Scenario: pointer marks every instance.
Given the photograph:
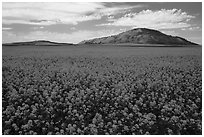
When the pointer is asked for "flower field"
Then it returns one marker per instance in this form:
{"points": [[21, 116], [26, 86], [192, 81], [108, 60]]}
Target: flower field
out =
{"points": [[101, 95]]}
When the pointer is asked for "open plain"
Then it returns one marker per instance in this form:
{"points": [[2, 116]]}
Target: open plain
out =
{"points": [[101, 90]]}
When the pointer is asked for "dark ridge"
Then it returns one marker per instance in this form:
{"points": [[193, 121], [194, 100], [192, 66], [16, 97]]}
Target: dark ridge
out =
{"points": [[37, 43]]}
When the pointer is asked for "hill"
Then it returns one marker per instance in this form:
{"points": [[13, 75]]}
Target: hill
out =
{"points": [[140, 36], [37, 43]]}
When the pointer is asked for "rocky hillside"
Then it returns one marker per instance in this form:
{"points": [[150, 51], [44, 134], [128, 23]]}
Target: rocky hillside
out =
{"points": [[140, 36]]}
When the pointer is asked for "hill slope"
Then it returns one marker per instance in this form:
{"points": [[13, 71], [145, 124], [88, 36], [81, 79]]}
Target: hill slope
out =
{"points": [[140, 36], [37, 43]]}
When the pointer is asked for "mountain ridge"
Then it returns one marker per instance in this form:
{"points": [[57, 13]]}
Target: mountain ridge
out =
{"points": [[136, 37], [37, 43], [140, 36]]}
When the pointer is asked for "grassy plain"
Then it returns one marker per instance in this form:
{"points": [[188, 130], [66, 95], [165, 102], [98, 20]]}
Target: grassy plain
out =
{"points": [[97, 51]]}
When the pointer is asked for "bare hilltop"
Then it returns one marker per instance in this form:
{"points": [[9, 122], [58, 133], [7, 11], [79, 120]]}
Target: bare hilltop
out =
{"points": [[140, 36]]}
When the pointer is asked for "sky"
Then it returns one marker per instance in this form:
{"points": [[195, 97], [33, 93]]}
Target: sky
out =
{"points": [[74, 22]]}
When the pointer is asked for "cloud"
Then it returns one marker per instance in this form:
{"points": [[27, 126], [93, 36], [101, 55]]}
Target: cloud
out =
{"points": [[73, 28], [110, 17], [68, 7], [74, 37], [5, 29], [191, 28], [38, 27], [159, 19], [48, 13], [57, 13], [116, 10]]}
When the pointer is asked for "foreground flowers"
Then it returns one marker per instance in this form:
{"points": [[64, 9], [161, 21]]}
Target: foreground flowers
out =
{"points": [[87, 95]]}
